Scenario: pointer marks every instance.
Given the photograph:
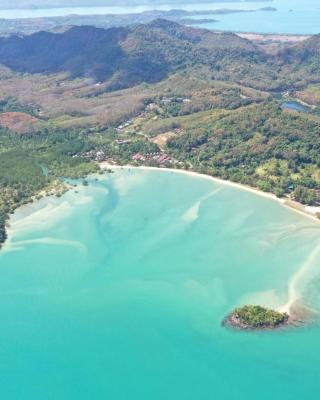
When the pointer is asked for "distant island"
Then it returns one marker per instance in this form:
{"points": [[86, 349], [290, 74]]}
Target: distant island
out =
{"points": [[256, 317], [268, 9], [191, 21], [27, 26]]}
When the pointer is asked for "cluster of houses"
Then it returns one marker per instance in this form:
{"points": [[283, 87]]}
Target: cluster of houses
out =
{"points": [[160, 158], [166, 100], [99, 155], [122, 127], [123, 141], [179, 131]]}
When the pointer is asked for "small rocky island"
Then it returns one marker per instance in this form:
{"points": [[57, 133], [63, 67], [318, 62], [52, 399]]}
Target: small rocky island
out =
{"points": [[256, 317]]}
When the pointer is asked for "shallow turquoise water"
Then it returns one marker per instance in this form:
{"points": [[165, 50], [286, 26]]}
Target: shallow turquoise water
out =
{"points": [[291, 17], [118, 292]]}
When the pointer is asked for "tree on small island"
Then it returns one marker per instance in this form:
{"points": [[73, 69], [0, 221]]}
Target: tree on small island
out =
{"points": [[257, 317]]}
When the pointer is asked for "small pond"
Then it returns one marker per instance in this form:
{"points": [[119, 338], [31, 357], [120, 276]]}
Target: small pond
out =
{"points": [[294, 106]]}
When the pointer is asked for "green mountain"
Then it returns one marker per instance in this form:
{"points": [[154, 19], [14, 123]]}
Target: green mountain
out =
{"points": [[149, 53], [125, 56]]}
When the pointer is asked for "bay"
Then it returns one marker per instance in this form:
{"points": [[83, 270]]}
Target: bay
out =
{"points": [[118, 292]]}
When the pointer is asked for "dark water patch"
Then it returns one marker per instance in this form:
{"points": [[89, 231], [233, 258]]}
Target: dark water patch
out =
{"points": [[294, 106]]}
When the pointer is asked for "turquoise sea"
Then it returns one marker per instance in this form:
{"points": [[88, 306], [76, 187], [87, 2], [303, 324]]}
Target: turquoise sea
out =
{"points": [[118, 292], [291, 17]]}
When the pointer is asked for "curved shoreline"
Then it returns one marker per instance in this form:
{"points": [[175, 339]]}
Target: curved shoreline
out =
{"points": [[287, 203], [292, 290]]}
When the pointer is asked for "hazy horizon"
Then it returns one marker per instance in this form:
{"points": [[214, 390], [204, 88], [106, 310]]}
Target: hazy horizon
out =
{"points": [[27, 4]]}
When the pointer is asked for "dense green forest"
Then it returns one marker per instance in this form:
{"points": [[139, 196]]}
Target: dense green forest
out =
{"points": [[259, 145], [193, 99]]}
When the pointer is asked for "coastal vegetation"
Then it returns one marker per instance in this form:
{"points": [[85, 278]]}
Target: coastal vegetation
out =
{"points": [[257, 317], [258, 145], [22, 159], [173, 96]]}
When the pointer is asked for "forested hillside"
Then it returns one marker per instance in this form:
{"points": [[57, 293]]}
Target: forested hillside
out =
{"points": [[159, 94], [305, 54], [258, 145], [149, 53]]}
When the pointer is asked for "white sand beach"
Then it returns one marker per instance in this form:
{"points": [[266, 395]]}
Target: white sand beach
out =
{"points": [[307, 211]]}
